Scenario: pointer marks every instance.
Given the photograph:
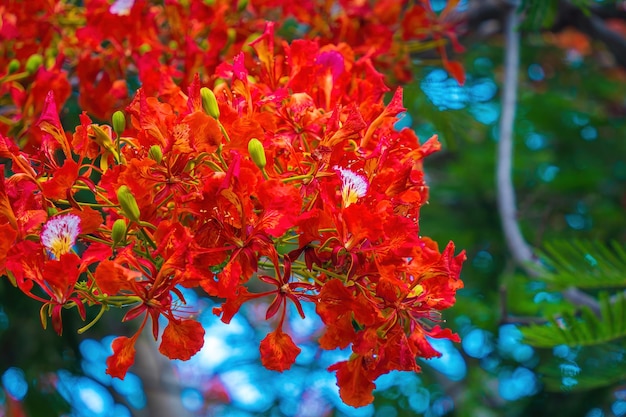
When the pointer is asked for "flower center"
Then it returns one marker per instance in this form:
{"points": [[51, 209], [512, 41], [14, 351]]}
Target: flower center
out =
{"points": [[354, 186], [59, 234]]}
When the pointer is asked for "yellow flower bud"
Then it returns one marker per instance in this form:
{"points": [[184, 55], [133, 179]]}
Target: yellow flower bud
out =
{"points": [[119, 122], [33, 63], [155, 153], [209, 102], [128, 203], [118, 232], [103, 139], [257, 153]]}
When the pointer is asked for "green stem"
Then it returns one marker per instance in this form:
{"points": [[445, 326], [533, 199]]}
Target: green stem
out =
{"points": [[219, 155], [147, 237], [322, 270], [297, 178], [223, 131], [96, 239], [80, 203], [83, 329]]}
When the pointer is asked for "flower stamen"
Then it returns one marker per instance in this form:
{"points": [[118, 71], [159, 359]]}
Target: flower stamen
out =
{"points": [[59, 234], [354, 186]]}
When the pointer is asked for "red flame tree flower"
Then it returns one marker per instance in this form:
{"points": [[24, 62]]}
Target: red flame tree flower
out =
{"points": [[288, 171]]}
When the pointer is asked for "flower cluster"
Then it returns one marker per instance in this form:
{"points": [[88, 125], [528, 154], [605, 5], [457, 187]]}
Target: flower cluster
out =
{"points": [[106, 50], [285, 181]]}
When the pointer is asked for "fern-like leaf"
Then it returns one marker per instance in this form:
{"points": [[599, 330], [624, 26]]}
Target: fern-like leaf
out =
{"points": [[588, 368], [584, 264], [584, 330]]}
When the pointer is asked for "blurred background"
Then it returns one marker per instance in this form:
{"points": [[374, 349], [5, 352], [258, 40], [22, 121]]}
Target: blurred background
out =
{"points": [[569, 177]]}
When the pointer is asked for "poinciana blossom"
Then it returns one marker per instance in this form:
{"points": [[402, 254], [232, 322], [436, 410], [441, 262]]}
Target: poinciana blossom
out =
{"points": [[107, 49], [289, 175]]}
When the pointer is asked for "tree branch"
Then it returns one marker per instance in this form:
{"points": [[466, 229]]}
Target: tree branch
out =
{"points": [[519, 248], [161, 386]]}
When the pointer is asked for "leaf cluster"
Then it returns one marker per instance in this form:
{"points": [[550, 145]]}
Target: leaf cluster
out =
{"points": [[598, 329]]}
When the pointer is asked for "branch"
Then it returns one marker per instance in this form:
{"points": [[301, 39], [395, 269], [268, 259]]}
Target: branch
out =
{"points": [[161, 386], [519, 248]]}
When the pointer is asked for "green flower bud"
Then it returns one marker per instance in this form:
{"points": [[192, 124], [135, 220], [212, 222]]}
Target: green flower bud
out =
{"points": [[13, 66], [257, 153], [128, 203], [119, 122], [241, 5], [231, 35], [118, 232], [155, 153], [33, 63], [144, 48], [209, 103]]}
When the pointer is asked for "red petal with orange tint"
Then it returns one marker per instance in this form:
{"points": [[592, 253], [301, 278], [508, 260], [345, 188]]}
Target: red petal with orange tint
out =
{"points": [[123, 356], [278, 352], [112, 277], [182, 339], [62, 180], [355, 386], [90, 219], [456, 70], [7, 240]]}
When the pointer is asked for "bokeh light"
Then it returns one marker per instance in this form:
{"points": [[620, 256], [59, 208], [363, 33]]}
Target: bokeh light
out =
{"points": [[536, 72], [451, 363], [478, 343], [14, 382], [87, 397], [516, 384]]}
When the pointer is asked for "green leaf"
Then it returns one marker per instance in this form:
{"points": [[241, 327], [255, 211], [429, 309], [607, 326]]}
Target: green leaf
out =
{"points": [[589, 368], [584, 330], [584, 264]]}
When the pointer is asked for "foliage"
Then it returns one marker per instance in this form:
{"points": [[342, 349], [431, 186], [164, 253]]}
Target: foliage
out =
{"points": [[584, 264], [587, 329]]}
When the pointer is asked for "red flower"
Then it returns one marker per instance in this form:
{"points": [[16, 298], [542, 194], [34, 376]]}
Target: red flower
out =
{"points": [[278, 352], [123, 356], [182, 339]]}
